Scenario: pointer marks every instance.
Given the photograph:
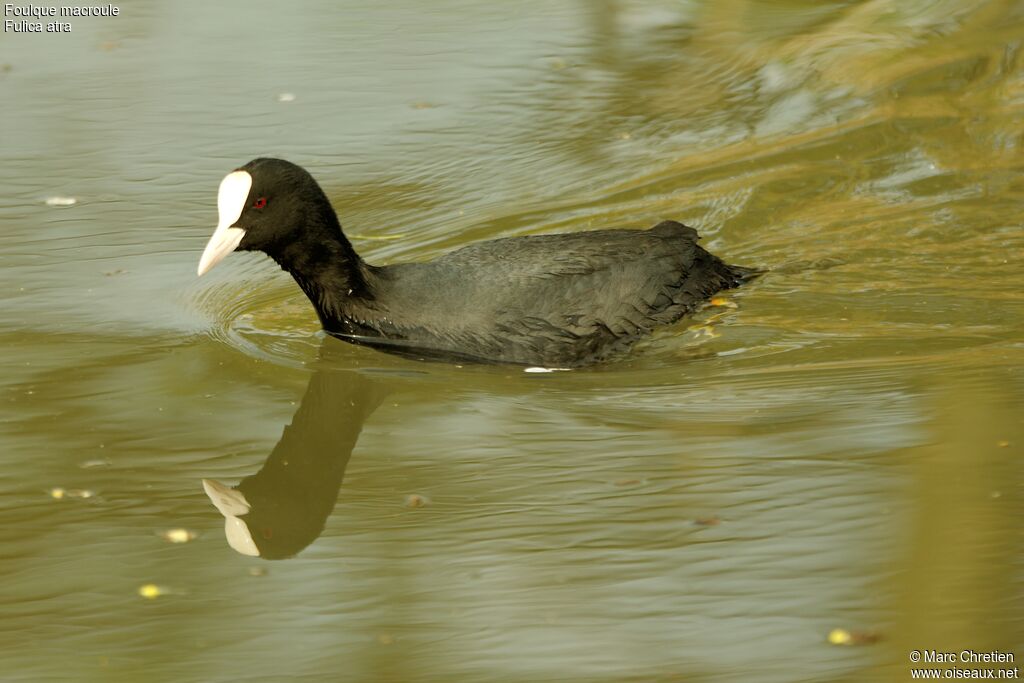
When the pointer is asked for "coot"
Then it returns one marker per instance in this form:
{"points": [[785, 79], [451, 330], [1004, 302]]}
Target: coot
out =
{"points": [[562, 301]]}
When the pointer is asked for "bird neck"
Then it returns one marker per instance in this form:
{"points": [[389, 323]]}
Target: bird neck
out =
{"points": [[328, 269]]}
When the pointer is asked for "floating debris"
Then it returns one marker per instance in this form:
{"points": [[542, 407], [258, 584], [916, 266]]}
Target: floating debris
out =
{"points": [[61, 201], [179, 535], [97, 462], [59, 493], [286, 97], [1003, 444], [840, 636], [257, 571], [423, 105], [538, 369], [415, 500], [713, 520], [722, 301], [151, 591], [112, 273]]}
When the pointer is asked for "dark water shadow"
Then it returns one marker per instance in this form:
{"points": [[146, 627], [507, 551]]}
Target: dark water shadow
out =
{"points": [[277, 512]]}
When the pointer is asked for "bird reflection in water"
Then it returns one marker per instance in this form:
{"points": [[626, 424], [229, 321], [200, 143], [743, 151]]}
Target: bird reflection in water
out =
{"points": [[281, 509]]}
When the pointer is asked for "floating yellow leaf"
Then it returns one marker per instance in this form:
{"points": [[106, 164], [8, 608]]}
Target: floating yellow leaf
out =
{"points": [[151, 591], [178, 535], [840, 636]]}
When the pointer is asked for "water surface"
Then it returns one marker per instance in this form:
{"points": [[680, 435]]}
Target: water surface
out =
{"points": [[837, 445]]}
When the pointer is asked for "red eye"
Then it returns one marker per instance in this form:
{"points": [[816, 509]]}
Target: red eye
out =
{"points": [[259, 203]]}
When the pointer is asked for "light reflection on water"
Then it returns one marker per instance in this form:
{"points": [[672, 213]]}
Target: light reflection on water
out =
{"points": [[837, 446]]}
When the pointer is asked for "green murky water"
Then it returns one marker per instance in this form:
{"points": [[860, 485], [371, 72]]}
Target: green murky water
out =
{"points": [[839, 445]]}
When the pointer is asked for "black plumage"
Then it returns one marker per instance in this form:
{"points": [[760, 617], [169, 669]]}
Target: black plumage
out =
{"points": [[561, 300]]}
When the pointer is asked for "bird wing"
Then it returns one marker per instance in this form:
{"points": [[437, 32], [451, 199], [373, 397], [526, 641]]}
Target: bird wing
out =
{"points": [[532, 296]]}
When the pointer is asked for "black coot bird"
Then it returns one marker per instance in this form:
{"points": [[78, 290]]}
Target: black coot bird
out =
{"points": [[557, 301]]}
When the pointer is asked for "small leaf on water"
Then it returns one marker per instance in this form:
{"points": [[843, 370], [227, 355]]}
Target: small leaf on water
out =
{"points": [[839, 636], [415, 500], [151, 591], [178, 535]]}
